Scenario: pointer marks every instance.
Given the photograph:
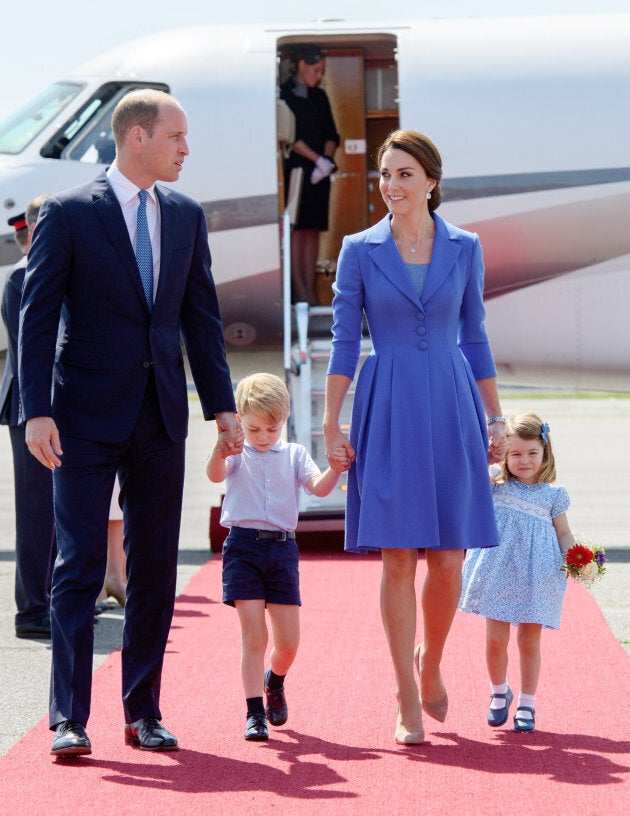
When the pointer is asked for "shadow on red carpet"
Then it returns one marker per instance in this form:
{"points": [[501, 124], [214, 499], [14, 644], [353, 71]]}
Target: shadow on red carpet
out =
{"points": [[336, 755]]}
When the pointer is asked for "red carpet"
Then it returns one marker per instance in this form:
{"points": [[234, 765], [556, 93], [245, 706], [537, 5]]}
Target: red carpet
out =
{"points": [[336, 755]]}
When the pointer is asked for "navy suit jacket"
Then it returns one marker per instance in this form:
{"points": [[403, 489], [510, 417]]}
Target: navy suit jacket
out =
{"points": [[82, 260], [9, 391]]}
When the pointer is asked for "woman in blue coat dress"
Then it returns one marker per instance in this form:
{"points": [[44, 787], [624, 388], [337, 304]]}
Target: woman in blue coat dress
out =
{"points": [[424, 401]]}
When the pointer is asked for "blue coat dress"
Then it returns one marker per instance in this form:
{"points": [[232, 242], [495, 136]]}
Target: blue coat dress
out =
{"points": [[420, 478]]}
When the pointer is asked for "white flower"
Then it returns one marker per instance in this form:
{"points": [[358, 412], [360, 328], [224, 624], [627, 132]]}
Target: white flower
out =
{"points": [[589, 571]]}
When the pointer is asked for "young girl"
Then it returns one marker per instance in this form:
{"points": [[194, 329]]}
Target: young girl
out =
{"points": [[520, 581]]}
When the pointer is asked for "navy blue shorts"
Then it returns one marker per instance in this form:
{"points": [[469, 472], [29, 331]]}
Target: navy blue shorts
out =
{"points": [[260, 569]]}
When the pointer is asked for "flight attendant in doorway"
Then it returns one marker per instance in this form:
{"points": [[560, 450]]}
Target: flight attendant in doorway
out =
{"points": [[316, 140]]}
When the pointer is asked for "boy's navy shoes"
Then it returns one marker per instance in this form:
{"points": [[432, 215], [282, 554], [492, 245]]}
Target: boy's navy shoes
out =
{"points": [[276, 709], [256, 728]]}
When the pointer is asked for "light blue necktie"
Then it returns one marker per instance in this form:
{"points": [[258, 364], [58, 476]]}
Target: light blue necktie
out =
{"points": [[144, 252]]}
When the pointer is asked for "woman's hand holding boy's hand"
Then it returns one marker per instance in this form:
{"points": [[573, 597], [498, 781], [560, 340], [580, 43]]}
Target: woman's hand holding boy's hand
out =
{"points": [[339, 460], [339, 451]]}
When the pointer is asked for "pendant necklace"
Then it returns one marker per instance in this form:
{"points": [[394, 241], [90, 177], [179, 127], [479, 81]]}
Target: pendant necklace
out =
{"points": [[413, 249]]}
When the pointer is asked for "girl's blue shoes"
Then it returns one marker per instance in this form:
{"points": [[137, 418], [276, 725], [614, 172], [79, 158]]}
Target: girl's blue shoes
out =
{"points": [[498, 716], [524, 723]]}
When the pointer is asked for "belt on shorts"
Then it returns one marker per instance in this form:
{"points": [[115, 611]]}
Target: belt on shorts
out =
{"points": [[268, 535]]}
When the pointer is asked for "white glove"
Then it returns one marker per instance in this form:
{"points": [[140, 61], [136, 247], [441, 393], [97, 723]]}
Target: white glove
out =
{"points": [[323, 167]]}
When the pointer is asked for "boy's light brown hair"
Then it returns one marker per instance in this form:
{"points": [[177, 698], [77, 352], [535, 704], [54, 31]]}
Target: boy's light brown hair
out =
{"points": [[265, 394], [530, 426]]}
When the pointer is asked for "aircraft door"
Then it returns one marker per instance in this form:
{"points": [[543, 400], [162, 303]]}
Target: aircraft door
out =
{"points": [[344, 84]]}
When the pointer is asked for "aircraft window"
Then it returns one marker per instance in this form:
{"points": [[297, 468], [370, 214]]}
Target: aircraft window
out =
{"points": [[87, 137], [22, 127], [381, 88]]}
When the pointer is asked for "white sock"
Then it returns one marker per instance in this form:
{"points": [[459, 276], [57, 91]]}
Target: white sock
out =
{"points": [[525, 700], [501, 688]]}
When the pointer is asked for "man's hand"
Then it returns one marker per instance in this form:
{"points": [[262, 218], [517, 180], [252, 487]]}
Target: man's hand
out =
{"points": [[230, 424], [42, 439]]}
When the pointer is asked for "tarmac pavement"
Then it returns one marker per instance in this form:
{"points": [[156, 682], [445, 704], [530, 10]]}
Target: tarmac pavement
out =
{"points": [[591, 435]]}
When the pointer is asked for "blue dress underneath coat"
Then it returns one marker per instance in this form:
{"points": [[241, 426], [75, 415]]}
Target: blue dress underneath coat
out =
{"points": [[418, 428]]}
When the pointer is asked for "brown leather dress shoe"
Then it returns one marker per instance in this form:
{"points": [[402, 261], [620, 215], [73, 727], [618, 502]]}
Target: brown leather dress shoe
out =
{"points": [[149, 734], [70, 740]]}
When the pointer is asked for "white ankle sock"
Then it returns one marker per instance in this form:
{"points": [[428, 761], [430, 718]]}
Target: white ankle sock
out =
{"points": [[501, 688], [525, 700]]}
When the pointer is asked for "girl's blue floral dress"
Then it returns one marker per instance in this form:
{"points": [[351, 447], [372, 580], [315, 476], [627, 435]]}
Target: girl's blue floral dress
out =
{"points": [[520, 581]]}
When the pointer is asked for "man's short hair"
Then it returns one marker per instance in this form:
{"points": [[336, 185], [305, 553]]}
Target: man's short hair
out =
{"points": [[138, 107]]}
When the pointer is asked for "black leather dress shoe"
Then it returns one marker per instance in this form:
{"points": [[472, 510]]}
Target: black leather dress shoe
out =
{"points": [[276, 709], [70, 740], [39, 628], [149, 734], [256, 728]]}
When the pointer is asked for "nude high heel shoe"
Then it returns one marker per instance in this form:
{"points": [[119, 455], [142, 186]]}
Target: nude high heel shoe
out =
{"points": [[405, 737], [436, 709]]}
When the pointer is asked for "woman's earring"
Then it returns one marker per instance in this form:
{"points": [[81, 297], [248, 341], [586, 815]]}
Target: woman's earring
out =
{"points": [[429, 194]]}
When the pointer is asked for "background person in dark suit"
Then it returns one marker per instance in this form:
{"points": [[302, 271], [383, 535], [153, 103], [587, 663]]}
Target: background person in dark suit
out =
{"points": [[34, 518], [119, 400]]}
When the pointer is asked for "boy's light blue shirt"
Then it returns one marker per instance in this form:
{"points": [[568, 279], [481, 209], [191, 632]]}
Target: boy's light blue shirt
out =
{"points": [[263, 487]]}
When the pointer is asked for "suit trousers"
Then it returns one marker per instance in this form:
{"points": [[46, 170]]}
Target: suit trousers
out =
{"points": [[150, 467], [34, 530]]}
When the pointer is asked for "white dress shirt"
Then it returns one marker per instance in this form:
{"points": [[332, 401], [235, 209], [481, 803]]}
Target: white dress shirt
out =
{"points": [[263, 487]]}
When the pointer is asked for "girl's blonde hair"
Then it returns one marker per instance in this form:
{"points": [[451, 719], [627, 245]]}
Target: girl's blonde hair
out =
{"points": [[265, 394], [530, 426]]}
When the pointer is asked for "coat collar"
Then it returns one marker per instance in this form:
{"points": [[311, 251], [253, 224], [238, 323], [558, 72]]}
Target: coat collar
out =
{"points": [[446, 249]]}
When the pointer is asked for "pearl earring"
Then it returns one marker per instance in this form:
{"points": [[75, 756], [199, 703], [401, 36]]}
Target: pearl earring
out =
{"points": [[429, 194]]}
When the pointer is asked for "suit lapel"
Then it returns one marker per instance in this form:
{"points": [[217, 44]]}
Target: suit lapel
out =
{"points": [[168, 213], [110, 213]]}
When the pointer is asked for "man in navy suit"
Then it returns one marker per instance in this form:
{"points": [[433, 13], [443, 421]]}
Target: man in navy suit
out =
{"points": [[34, 519], [119, 400]]}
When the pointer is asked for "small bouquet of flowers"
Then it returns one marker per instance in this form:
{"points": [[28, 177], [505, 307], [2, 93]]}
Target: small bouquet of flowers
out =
{"points": [[584, 562]]}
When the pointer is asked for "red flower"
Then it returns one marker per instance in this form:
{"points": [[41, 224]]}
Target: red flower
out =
{"points": [[579, 555]]}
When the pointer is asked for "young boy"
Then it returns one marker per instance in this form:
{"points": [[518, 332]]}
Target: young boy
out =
{"points": [[260, 555]]}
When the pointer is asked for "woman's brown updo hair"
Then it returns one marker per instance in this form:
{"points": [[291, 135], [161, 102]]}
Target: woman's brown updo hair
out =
{"points": [[424, 152]]}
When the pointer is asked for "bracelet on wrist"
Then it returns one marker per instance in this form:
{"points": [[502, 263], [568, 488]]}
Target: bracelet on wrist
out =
{"points": [[492, 420]]}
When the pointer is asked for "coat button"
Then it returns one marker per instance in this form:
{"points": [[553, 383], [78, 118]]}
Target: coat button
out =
{"points": [[421, 330], [421, 316], [423, 346], [146, 364]]}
